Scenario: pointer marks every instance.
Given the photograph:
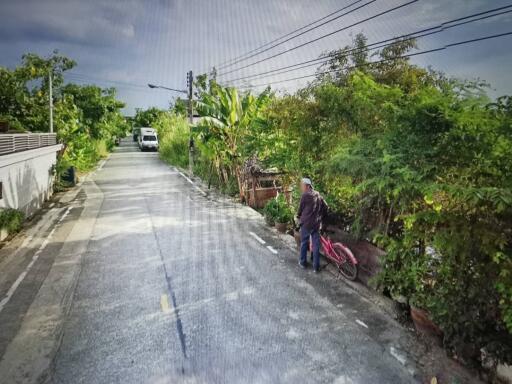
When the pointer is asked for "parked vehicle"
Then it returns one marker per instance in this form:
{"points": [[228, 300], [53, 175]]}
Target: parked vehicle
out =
{"points": [[148, 139]]}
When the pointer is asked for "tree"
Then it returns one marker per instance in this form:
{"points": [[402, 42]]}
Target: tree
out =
{"points": [[146, 118], [180, 107], [24, 93], [100, 110], [342, 61]]}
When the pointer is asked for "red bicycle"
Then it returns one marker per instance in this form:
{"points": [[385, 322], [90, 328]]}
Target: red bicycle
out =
{"points": [[340, 255]]}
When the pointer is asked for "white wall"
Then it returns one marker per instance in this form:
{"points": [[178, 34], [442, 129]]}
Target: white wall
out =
{"points": [[27, 179]]}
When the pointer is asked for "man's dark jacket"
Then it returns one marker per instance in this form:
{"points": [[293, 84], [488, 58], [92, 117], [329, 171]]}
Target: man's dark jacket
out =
{"points": [[312, 210]]}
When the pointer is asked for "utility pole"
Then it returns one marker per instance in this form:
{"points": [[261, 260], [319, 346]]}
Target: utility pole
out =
{"points": [[190, 96], [51, 99], [190, 81]]}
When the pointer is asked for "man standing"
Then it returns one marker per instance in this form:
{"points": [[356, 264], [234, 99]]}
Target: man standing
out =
{"points": [[312, 208]]}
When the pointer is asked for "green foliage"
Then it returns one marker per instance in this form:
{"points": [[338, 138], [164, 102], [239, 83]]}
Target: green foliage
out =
{"points": [[180, 107], [173, 135], [277, 210], [147, 117], [87, 119], [226, 119], [270, 211], [427, 171], [99, 111], [24, 92], [61, 170], [11, 220]]}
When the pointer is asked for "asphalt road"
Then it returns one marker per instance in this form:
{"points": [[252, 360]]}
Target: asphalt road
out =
{"points": [[174, 288]]}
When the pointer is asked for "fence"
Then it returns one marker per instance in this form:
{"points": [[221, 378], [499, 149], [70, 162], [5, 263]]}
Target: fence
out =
{"points": [[17, 142]]}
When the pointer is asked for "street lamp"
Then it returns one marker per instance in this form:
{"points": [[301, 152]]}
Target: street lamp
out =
{"points": [[153, 86], [188, 92]]}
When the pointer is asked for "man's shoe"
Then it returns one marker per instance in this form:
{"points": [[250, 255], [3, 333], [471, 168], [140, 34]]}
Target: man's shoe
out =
{"points": [[303, 266], [316, 270]]}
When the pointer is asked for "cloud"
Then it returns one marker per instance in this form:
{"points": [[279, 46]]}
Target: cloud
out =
{"points": [[72, 21], [136, 42]]}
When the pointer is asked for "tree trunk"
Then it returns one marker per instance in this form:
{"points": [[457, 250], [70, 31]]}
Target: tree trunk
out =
{"points": [[210, 175], [238, 175], [390, 214]]}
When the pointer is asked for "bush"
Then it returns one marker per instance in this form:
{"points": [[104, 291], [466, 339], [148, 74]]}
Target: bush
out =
{"points": [[11, 220], [277, 210], [102, 148], [173, 135], [60, 171], [270, 211]]}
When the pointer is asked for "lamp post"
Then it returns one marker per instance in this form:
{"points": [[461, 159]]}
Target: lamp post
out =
{"points": [[188, 92]]}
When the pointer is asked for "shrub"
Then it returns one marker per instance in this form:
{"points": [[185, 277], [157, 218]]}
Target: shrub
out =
{"points": [[270, 211], [456, 272], [60, 171], [173, 135], [284, 215], [11, 220], [102, 148], [277, 210]]}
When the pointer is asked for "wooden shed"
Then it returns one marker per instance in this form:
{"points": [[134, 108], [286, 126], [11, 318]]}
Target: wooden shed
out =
{"points": [[259, 185]]}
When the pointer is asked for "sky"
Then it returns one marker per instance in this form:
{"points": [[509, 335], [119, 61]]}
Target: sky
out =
{"points": [[128, 44]]}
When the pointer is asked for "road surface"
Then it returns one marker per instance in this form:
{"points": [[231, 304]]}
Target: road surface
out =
{"points": [[178, 286]]}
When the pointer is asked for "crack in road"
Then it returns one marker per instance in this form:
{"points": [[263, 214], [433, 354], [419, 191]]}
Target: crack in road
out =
{"points": [[176, 312]]}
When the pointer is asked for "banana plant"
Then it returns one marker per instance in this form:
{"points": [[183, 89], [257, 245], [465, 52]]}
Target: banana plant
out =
{"points": [[226, 117]]}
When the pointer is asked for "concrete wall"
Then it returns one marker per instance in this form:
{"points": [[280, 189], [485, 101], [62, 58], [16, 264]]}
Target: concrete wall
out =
{"points": [[27, 179]]}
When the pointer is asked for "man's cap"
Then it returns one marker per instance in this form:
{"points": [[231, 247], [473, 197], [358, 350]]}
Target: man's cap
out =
{"points": [[307, 181]]}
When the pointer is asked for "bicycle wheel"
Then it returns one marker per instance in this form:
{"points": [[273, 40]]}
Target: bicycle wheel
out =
{"points": [[347, 268]]}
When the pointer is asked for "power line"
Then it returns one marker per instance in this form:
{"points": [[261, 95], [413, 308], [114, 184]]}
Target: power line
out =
{"points": [[379, 44], [385, 60], [102, 85], [91, 78], [322, 37], [300, 34], [291, 33], [87, 78], [384, 43]]}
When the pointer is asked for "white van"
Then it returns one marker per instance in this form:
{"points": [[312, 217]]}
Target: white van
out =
{"points": [[148, 139]]}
